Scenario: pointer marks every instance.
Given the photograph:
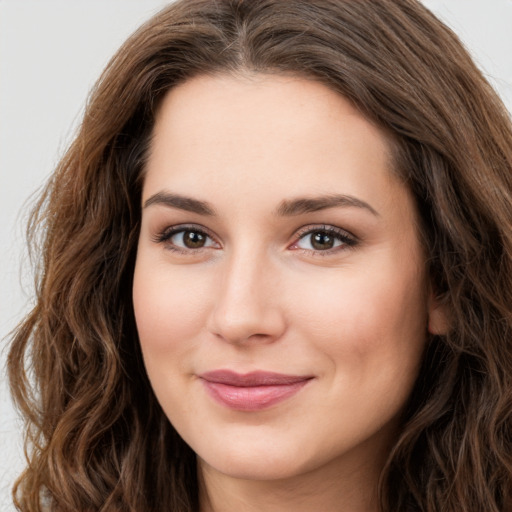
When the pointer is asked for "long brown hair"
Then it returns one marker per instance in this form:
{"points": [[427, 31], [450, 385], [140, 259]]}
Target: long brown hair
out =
{"points": [[97, 439]]}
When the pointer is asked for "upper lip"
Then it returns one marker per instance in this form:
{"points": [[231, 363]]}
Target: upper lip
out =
{"points": [[252, 379]]}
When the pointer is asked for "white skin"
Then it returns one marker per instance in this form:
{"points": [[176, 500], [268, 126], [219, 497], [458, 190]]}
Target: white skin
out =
{"points": [[352, 312]]}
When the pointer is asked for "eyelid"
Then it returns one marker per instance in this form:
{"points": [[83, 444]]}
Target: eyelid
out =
{"points": [[348, 239], [163, 236]]}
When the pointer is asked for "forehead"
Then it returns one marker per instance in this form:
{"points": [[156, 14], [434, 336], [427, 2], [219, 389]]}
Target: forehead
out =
{"points": [[266, 135], [247, 105]]}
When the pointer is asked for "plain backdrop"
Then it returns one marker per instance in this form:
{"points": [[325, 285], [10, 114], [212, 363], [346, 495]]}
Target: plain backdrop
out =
{"points": [[51, 52]]}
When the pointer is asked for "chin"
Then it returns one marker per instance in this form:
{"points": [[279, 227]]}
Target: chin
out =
{"points": [[255, 467], [258, 459]]}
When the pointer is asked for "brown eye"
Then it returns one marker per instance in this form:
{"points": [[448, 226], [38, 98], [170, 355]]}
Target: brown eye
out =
{"points": [[320, 240], [186, 239], [194, 239], [325, 239]]}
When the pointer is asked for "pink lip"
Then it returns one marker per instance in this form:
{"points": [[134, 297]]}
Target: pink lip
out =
{"points": [[251, 391]]}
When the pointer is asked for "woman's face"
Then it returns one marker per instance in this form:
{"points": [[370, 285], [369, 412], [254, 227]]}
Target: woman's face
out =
{"points": [[280, 290]]}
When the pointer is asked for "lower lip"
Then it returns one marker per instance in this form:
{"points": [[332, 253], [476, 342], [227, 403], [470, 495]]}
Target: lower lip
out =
{"points": [[252, 398]]}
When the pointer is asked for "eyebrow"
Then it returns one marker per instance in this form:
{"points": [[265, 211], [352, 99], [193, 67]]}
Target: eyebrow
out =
{"points": [[314, 204], [286, 208], [181, 202]]}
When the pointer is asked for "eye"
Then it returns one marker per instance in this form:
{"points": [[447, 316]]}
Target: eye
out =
{"points": [[326, 238], [182, 238], [191, 239]]}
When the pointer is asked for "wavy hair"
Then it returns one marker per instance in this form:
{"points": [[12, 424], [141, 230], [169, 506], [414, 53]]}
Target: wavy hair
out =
{"points": [[97, 440]]}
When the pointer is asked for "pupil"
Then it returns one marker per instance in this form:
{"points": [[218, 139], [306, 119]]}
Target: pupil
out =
{"points": [[322, 240], [193, 239]]}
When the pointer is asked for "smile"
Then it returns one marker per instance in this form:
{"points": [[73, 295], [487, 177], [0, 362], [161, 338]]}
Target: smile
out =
{"points": [[252, 391]]}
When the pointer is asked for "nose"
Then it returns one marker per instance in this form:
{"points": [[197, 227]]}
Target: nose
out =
{"points": [[247, 308]]}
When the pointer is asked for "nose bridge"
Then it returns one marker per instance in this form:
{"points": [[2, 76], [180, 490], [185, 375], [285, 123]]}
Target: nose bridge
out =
{"points": [[245, 306]]}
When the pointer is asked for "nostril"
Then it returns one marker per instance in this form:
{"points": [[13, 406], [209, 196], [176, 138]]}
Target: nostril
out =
{"points": [[247, 326]]}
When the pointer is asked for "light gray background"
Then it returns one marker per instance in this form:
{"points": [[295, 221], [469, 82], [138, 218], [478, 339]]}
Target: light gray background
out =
{"points": [[51, 52]]}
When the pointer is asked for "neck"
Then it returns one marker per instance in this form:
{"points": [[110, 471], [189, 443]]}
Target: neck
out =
{"points": [[327, 489]]}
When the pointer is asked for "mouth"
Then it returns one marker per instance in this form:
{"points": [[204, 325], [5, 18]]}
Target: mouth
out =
{"points": [[252, 391]]}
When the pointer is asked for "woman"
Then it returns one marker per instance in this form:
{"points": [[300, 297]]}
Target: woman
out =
{"points": [[276, 272]]}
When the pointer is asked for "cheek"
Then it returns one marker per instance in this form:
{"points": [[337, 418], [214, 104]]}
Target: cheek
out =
{"points": [[371, 329], [170, 307], [369, 320]]}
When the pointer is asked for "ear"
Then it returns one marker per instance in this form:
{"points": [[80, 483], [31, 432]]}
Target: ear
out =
{"points": [[438, 321]]}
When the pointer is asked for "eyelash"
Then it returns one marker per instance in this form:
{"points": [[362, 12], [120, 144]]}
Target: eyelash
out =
{"points": [[165, 236], [346, 239]]}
